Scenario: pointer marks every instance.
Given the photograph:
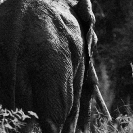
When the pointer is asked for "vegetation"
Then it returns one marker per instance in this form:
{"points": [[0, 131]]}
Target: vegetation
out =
{"points": [[114, 28], [15, 120], [120, 124]]}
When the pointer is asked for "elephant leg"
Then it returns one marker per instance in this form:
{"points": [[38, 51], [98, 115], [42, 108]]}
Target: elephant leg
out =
{"points": [[52, 90], [84, 114], [23, 90], [71, 121]]}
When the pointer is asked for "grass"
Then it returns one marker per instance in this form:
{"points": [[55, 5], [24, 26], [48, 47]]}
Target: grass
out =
{"points": [[121, 124], [14, 120]]}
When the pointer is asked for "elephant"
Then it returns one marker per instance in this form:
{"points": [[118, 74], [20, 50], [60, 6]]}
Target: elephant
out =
{"points": [[43, 59]]}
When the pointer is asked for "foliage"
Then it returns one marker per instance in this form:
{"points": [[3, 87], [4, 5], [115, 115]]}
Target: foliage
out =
{"points": [[115, 45], [13, 120], [115, 31], [122, 124]]}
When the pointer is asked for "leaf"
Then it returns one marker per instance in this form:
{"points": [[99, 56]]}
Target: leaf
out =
{"points": [[10, 113], [14, 112], [5, 113], [7, 125], [0, 106], [18, 115], [25, 117], [33, 114]]}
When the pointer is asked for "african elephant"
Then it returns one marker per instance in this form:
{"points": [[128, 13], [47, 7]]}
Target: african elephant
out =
{"points": [[42, 60]]}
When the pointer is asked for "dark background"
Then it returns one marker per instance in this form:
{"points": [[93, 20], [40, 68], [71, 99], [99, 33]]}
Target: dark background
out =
{"points": [[114, 28]]}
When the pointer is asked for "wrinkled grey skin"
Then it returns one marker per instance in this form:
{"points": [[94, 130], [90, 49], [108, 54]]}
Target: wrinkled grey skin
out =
{"points": [[42, 60]]}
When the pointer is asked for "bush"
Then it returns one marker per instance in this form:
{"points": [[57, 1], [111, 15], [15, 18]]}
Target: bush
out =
{"points": [[13, 120]]}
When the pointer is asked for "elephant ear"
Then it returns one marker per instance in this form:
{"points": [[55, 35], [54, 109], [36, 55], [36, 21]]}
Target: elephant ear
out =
{"points": [[84, 9]]}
